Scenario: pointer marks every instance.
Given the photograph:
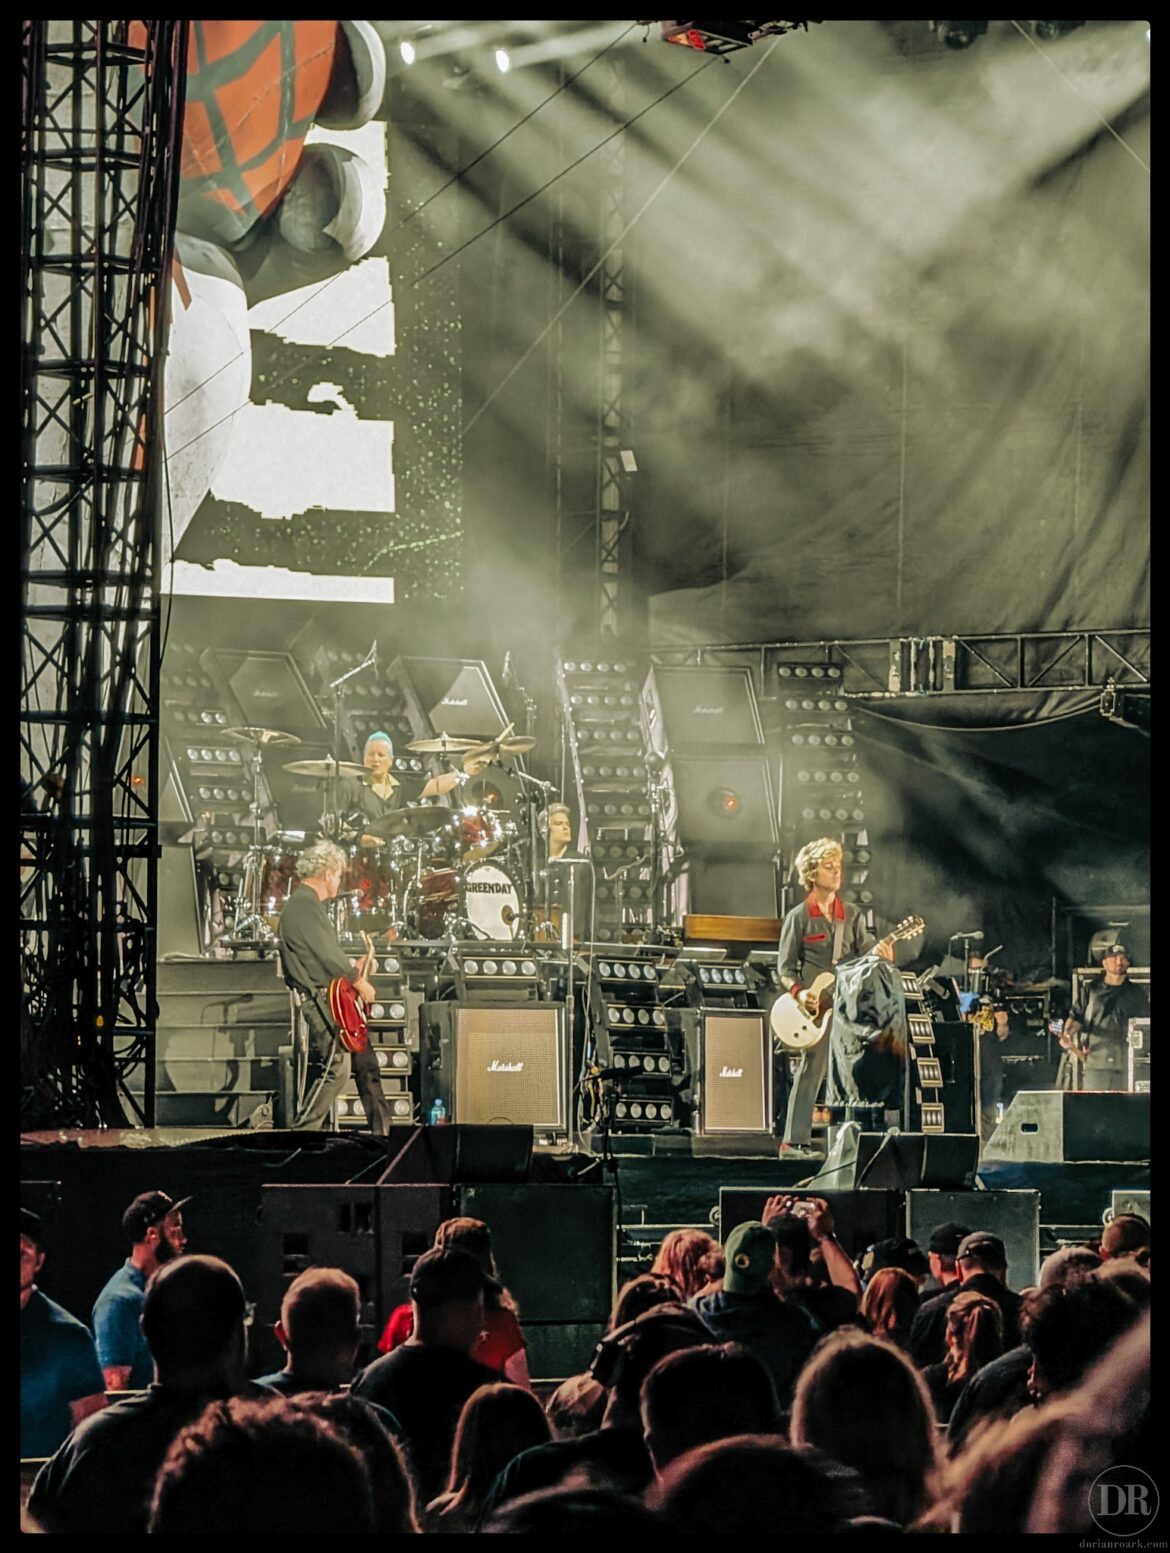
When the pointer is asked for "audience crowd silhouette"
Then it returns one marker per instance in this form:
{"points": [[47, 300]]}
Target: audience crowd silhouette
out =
{"points": [[766, 1384]]}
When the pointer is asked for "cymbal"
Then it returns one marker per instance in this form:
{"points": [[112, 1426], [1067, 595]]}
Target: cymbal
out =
{"points": [[413, 822], [506, 744], [445, 744], [325, 769], [260, 736]]}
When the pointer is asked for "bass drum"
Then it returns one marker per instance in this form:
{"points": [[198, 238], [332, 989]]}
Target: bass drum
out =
{"points": [[491, 903]]}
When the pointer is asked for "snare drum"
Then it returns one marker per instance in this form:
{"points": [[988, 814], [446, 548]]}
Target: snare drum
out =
{"points": [[491, 903]]}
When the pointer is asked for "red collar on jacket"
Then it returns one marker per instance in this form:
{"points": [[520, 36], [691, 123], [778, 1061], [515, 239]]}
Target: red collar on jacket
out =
{"points": [[814, 909]]}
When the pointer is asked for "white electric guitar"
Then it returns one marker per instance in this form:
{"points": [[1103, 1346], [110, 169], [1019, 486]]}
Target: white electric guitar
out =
{"points": [[794, 1026]]}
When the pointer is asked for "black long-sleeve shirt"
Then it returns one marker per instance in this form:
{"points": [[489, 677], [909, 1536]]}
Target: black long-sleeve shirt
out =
{"points": [[806, 940], [310, 951]]}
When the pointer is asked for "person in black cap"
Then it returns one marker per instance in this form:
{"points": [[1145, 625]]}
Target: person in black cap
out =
{"points": [[1097, 1028], [928, 1333], [427, 1379], [941, 1251], [900, 1252], [153, 1224], [60, 1378]]}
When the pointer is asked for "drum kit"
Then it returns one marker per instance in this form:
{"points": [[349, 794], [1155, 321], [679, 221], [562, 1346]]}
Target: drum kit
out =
{"points": [[431, 873]]}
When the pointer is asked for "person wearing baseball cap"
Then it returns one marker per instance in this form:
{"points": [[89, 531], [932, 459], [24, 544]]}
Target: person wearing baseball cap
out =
{"points": [[1096, 1031], [60, 1378], [153, 1226], [427, 1379], [982, 1264], [746, 1310], [928, 1331], [899, 1251]]}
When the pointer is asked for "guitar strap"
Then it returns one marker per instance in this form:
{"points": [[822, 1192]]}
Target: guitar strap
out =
{"points": [[838, 938]]}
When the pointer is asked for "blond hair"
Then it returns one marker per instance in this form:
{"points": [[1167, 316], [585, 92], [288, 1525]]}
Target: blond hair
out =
{"points": [[812, 855]]}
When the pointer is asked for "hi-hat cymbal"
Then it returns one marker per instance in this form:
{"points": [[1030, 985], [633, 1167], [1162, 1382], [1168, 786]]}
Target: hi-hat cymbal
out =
{"points": [[260, 736], [445, 744], [325, 770]]}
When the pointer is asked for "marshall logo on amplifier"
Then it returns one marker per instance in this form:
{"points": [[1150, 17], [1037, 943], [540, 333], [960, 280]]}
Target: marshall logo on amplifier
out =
{"points": [[496, 1066], [726, 1072], [687, 707]]}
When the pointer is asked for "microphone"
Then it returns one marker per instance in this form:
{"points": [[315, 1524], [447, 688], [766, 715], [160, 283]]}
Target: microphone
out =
{"points": [[977, 936]]}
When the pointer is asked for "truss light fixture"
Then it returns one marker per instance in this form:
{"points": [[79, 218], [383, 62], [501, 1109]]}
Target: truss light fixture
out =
{"points": [[721, 37], [503, 61], [958, 35], [1048, 31]]}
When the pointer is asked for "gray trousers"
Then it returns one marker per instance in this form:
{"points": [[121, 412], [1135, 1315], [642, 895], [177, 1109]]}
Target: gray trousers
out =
{"points": [[810, 1075], [329, 1068]]}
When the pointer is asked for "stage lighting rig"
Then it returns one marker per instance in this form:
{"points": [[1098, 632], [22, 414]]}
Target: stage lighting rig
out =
{"points": [[722, 37]]}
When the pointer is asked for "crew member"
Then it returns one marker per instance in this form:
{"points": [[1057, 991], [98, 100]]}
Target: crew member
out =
{"points": [[312, 957], [555, 824], [815, 936], [1097, 1028]]}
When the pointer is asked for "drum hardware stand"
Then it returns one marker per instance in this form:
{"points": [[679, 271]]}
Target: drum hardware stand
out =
{"points": [[252, 928], [335, 686], [533, 799], [619, 874]]}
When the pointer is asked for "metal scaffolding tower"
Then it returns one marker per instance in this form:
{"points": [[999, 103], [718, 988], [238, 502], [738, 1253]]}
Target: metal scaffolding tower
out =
{"points": [[101, 120]]}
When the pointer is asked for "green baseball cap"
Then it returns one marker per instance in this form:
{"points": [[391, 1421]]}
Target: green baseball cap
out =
{"points": [[750, 1252]]}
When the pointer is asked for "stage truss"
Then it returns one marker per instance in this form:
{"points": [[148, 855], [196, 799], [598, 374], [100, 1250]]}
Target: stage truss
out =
{"points": [[101, 118]]}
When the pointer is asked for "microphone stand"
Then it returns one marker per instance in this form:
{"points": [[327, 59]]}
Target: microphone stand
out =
{"points": [[533, 800]]}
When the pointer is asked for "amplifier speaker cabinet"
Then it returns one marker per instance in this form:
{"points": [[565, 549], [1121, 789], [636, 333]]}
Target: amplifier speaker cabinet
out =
{"points": [[688, 707], [1012, 1215], [731, 1055], [861, 1218], [724, 801], [498, 1064], [457, 695], [1060, 1126], [555, 1246]]}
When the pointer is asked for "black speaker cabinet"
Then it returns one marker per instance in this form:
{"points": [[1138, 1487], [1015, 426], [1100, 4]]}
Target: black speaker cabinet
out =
{"points": [[954, 1049], [555, 1246], [1057, 1125], [320, 1226], [700, 706], [1013, 1216], [861, 1218], [457, 694], [730, 887], [724, 801], [498, 1065], [901, 1160], [731, 1057]]}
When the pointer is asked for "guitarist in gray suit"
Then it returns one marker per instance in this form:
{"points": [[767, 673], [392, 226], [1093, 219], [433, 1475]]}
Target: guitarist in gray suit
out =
{"points": [[815, 936], [311, 957]]}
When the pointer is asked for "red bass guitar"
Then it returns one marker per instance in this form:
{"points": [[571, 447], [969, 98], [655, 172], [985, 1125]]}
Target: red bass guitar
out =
{"points": [[347, 1008]]}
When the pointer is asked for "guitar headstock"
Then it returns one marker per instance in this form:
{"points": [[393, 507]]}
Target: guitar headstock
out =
{"points": [[909, 927]]}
